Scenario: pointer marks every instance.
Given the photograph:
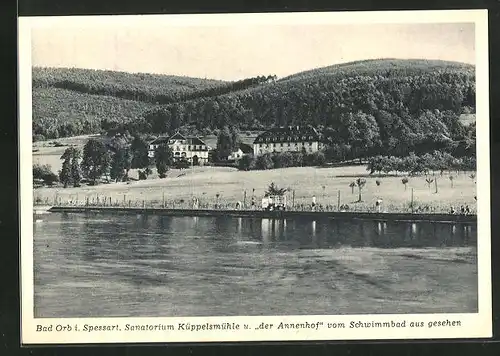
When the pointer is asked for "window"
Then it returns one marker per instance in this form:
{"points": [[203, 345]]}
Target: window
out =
{"points": [[260, 144], [281, 144], [189, 148], [310, 143], [177, 148]]}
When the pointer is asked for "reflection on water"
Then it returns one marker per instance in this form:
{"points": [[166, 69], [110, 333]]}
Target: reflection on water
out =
{"points": [[123, 265]]}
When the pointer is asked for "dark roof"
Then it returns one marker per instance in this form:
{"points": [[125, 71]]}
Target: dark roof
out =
{"points": [[246, 148], [190, 140], [177, 136], [159, 141], [289, 134]]}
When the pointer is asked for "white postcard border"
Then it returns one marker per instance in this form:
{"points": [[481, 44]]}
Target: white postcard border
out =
{"points": [[70, 330]]}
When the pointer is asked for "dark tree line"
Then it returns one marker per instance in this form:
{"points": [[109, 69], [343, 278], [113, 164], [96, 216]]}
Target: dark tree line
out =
{"points": [[421, 164], [364, 108], [281, 160]]}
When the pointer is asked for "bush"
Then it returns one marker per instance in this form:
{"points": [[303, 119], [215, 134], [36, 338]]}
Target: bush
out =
{"points": [[264, 162], [246, 163], [181, 164]]}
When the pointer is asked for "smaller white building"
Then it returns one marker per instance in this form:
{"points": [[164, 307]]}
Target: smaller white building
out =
{"points": [[243, 150], [190, 148]]}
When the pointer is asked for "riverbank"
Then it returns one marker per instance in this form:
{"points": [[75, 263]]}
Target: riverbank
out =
{"points": [[272, 214], [225, 186]]}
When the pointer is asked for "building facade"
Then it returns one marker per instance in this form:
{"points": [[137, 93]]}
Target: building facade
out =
{"points": [[190, 148], [243, 150], [288, 139]]}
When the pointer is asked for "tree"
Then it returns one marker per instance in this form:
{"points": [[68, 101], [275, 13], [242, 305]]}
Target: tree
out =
{"points": [[96, 160], [76, 171], [227, 142], [118, 165], [163, 159], [273, 189], [429, 182], [360, 182], [264, 162], [352, 185], [405, 181], [71, 172], [139, 149], [246, 163], [65, 173]]}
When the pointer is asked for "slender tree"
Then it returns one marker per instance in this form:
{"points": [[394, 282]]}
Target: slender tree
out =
{"points": [[96, 160], [360, 182], [163, 159]]}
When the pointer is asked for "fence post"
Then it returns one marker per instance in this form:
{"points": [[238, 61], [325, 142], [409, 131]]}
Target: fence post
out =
{"points": [[245, 199], [411, 204], [143, 204], [163, 200], [338, 200], [293, 198]]}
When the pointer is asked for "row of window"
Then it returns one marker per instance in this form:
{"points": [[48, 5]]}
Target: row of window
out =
{"points": [[288, 138], [297, 149], [183, 148], [281, 144]]}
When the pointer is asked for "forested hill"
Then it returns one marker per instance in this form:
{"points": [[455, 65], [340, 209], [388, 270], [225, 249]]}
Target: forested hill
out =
{"points": [[389, 105], [73, 101], [384, 104]]}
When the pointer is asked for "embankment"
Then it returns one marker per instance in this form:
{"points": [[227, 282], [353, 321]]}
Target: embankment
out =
{"points": [[273, 214]]}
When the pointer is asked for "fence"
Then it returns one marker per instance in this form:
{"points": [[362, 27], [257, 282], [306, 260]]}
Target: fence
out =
{"points": [[205, 203]]}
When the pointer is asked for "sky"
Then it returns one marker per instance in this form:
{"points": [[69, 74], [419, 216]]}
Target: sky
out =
{"points": [[241, 50]]}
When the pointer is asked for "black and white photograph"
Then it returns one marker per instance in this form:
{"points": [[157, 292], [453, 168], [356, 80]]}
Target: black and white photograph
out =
{"points": [[253, 177]]}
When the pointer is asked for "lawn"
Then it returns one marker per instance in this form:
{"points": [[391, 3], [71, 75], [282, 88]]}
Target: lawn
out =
{"points": [[303, 183]]}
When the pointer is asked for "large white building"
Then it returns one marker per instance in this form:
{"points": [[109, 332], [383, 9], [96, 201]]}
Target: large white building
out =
{"points": [[190, 148], [288, 139]]}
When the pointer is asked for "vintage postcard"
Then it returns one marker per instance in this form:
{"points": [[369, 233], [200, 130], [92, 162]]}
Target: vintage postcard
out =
{"points": [[255, 177]]}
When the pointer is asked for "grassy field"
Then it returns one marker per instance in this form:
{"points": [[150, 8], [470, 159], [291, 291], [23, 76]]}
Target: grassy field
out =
{"points": [[306, 182], [44, 152]]}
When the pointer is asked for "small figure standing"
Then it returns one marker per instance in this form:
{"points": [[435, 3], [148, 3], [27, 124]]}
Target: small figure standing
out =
{"points": [[467, 210], [313, 202], [452, 210], [378, 205]]}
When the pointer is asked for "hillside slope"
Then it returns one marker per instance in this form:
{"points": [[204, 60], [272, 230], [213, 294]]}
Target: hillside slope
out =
{"points": [[383, 103], [386, 105]]}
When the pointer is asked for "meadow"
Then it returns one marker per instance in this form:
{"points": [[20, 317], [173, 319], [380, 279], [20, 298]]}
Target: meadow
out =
{"points": [[227, 186]]}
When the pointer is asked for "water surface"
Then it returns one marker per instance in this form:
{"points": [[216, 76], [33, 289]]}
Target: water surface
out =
{"points": [[96, 265]]}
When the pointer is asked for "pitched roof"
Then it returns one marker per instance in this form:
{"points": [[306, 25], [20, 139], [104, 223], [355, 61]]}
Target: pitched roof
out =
{"points": [[246, 148], [159, 140], [289, 134], [190, 140]]}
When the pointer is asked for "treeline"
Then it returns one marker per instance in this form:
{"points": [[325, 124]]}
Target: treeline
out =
{"points": [[281, 160], [70, 102], [420, 164], [64, 113], [151, 88], [379, 113]]}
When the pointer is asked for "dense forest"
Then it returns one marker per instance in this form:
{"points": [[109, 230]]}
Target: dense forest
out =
{"points": [[71, 101], [364, 108]]}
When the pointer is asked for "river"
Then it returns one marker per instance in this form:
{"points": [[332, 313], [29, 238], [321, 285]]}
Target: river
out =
{"points": [[104, 265]]}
